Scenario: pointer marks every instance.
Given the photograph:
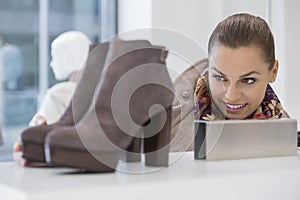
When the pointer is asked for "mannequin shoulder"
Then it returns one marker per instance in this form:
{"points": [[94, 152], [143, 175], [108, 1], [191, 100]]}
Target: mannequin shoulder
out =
{"points": [[62, 88]]}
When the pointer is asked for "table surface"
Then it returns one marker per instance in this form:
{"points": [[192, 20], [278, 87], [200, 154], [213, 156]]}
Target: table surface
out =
{"points": [[262, 178]]}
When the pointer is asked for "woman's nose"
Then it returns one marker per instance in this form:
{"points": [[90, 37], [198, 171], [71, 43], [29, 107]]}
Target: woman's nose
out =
{"points": [[232, 93]]}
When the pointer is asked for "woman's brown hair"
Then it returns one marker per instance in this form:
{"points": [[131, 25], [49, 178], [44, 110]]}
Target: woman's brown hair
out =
{"points": [[242, 30]]}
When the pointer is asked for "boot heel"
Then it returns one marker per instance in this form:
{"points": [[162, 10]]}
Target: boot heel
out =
{"points": [[133, 153], [156, 147]]}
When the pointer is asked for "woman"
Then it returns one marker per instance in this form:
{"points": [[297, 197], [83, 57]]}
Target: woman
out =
{"points": [[233, 82], [241, 59]]}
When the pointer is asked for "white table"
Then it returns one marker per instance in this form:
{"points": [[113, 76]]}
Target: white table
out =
{"points": [[263, 178]]}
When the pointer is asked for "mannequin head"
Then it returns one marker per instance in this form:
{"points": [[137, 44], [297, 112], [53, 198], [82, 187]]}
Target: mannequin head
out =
{"points": [[69, 52]]}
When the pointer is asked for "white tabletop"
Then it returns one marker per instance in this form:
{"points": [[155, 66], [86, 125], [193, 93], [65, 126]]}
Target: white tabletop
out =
{"points": [[263, 178]]}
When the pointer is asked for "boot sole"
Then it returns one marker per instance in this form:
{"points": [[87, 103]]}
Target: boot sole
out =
{"points": [[83, 159]]}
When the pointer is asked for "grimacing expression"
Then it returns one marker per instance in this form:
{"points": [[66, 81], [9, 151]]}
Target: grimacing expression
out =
{"points": [[238, 79]]}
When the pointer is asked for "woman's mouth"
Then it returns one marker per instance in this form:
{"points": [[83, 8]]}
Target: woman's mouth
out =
{"points": [[234, 107]]}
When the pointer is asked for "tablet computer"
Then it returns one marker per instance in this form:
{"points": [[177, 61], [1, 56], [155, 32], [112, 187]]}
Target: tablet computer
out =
{"points": [[239, 139]]}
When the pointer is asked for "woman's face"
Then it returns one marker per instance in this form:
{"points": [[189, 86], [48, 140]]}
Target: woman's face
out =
{"points": [[238, 79]]}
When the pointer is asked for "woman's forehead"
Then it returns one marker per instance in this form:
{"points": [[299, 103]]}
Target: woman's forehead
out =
{"points": [[242, 59]]}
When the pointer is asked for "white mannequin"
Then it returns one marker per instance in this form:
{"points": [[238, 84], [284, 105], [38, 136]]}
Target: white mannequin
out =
{"points": [[69, 52]]}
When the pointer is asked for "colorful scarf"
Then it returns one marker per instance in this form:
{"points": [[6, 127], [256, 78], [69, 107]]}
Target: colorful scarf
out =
{"points": [[270, 107]]}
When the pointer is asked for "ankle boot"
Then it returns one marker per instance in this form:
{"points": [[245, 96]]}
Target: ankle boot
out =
{"points": [[133, 98], [33, 138]]}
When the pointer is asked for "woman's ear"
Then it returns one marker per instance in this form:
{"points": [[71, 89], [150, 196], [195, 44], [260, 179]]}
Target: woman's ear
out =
{"points": [[274, 72]]}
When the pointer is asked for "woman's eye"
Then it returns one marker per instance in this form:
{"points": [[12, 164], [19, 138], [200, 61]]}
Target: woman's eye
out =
{"points": [[219, 78], [248, 81]]}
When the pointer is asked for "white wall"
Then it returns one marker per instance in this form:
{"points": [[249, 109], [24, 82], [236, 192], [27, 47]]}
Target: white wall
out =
{"points": [[277, 23], [285, 21], [292, 64], [190, 24], [134, 15], [257, 7], [184, 27]]}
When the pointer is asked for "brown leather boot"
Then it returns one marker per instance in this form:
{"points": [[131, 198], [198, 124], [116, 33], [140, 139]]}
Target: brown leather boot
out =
{"points": [[132, 103], [33, 138]]}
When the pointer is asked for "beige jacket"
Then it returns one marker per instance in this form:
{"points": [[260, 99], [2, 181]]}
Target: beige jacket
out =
{"points": [[182, 135]]}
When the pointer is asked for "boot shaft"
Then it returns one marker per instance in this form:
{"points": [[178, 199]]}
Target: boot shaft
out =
{"points": [[134, 86], [85, 88]]}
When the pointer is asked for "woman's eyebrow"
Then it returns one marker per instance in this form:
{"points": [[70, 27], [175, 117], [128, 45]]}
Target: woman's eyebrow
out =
{"points": [[249, 73], [215, 69], [242, 76]]}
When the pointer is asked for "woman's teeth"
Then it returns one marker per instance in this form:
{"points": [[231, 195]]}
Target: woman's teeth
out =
{"points": [[235, 106]]}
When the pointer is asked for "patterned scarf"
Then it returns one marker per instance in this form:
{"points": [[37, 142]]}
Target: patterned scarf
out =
{"points": [[270, 107]]}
